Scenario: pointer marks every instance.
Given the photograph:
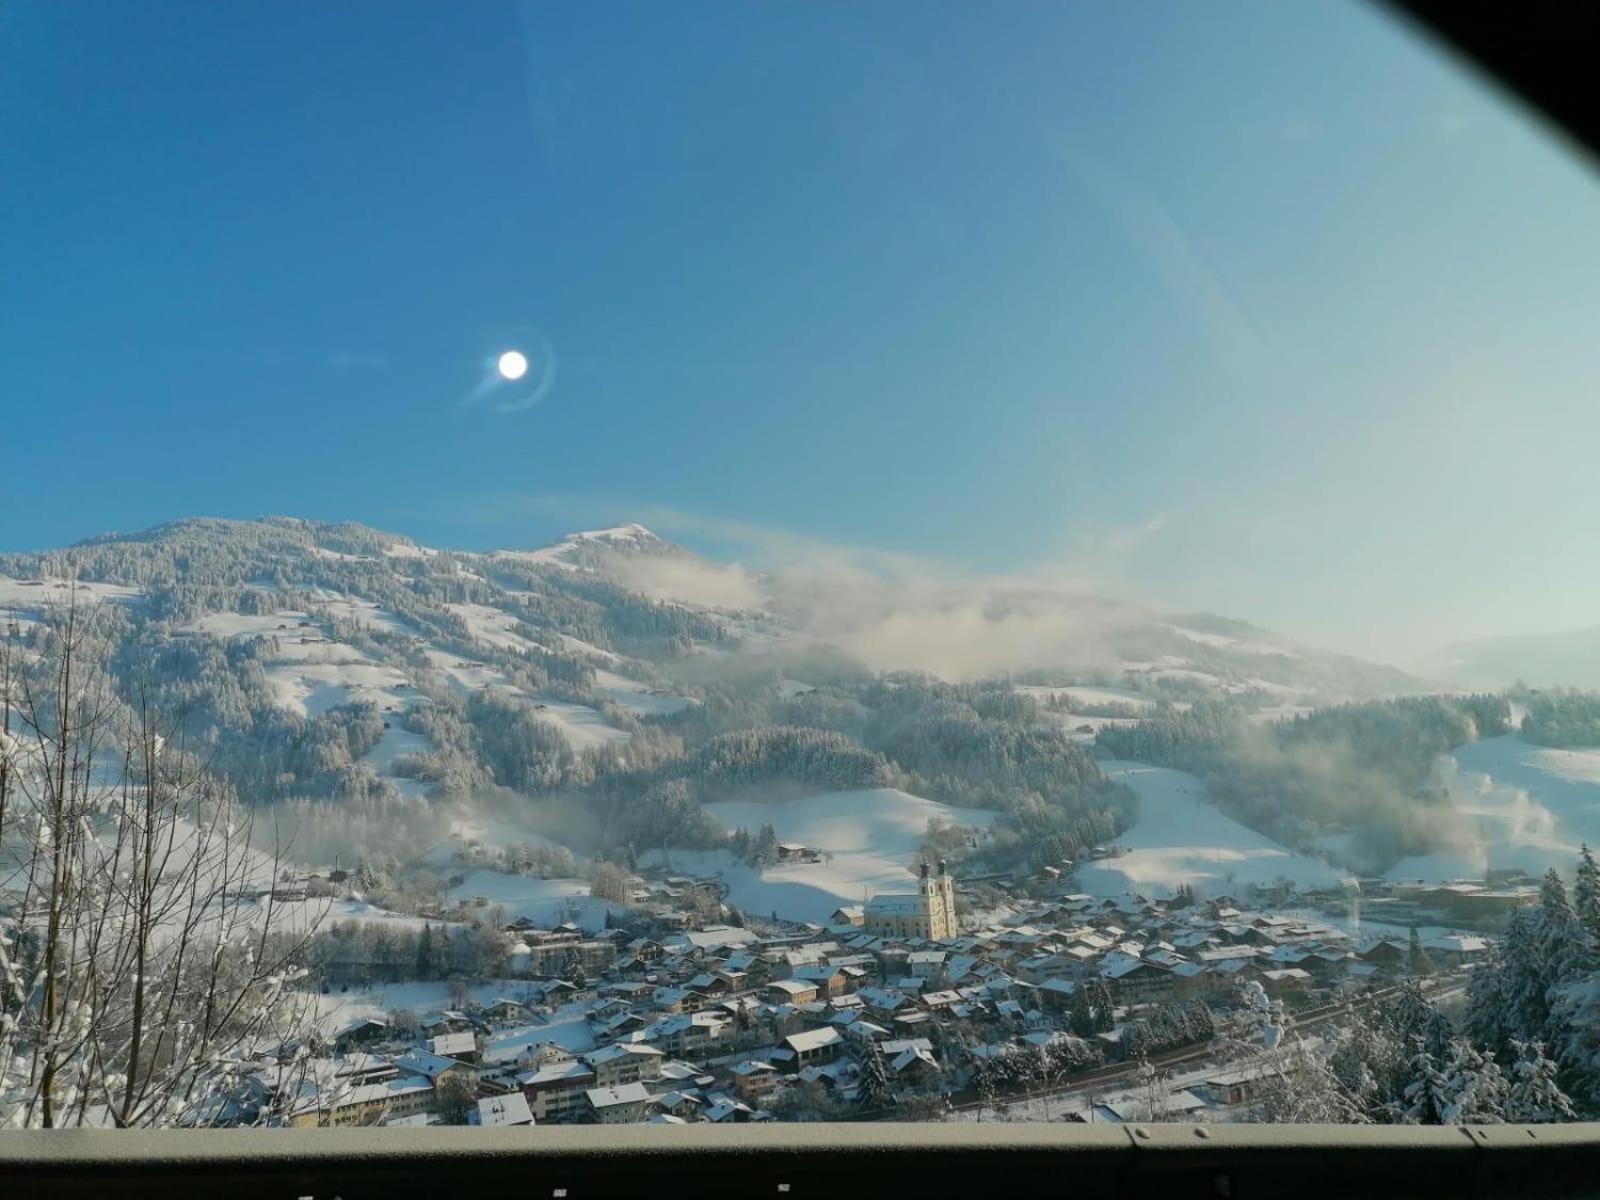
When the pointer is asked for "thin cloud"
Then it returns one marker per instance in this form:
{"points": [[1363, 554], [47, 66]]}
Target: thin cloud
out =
{"points": [[890, 610], [1177, 262], [1132, 537]]}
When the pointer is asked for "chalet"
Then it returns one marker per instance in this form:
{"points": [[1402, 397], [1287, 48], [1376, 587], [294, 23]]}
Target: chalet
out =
{"points": [[830, 980], [557, 1092], [854, 915], [754, 1080], [502, 1009], [364, 1033], [1452, 950], [1286, 982], [1389, 953], [792, 991]]}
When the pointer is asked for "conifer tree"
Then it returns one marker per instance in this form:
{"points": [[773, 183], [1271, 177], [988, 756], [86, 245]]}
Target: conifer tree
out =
{"points": [[1534, 1097], [1586, 895]]}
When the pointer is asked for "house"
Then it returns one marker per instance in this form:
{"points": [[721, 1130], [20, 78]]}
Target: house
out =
{"points": [[850, 914], [1135, 981], [556, 1092], [1286, 982], [620, 1105], [502, 1009], [463, 1047], [625, 1062], [830, 980], [754, 1080], [791, 991], [430, 1066], [1454, 949], [814, 1046], [511, 1109], [363, 1033]]}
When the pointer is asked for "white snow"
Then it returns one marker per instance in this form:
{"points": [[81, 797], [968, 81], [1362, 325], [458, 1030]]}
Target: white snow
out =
{"points": [[873, 836], [23, 601], [1179, 837], [579, 646], [582, 726], [1090, 695], [284, 624], [1222, 640], [493, 626], [359, 612], [395, 742], [1522, 806], [545, 902], [344, 677], [636, 697]]}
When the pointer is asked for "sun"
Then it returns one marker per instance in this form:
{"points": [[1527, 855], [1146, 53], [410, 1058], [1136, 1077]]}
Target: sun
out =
{"points": [[513, 364]]}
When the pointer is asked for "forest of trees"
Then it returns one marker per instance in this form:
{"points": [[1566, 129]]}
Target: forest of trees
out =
{"points": [[1561, 718]]}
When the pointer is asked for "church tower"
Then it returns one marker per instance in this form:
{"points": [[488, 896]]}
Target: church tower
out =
{"points": [[946, 918]]}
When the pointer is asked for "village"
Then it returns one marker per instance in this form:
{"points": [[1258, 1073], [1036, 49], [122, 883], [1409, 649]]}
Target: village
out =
{"points": [[910, 1006]]}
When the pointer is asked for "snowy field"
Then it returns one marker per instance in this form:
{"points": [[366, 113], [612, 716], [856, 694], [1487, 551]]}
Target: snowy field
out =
{"points": [[582, 726], [545, 902], [1523, 806], [493, 627], [1180, 837], [23, 601], [359, 612], [638, 698], [872, 835]]}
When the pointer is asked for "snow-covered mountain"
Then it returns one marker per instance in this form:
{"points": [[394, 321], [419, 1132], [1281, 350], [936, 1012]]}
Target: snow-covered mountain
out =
{"points": [[642, 612], [632, 692]]}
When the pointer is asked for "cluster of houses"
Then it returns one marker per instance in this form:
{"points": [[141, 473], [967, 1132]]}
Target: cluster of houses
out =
{"points": [[720, 1023]]}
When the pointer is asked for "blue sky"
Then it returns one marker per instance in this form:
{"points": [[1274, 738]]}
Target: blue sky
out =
{"points": [[1255, 307]]}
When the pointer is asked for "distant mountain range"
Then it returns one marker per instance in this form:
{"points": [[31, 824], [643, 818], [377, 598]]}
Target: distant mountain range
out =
{"points": [[1569, 659], [656, 612]]}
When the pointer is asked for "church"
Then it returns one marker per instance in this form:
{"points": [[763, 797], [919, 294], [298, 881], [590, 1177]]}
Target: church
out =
{"points": [[929, 912]]}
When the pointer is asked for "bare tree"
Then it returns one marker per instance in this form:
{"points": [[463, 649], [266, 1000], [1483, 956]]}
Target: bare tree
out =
{"points": [[146, 968]]}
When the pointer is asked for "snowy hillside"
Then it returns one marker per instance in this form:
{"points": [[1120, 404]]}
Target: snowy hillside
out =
{"points": [[871, 836], [1522, 805], [1180, 838]]}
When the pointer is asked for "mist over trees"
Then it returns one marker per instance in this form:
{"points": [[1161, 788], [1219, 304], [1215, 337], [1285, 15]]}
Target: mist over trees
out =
{"points": [[1365, 770]]}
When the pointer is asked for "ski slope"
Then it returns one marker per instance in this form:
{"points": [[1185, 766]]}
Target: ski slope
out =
{"points": [[1180, 837]]}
